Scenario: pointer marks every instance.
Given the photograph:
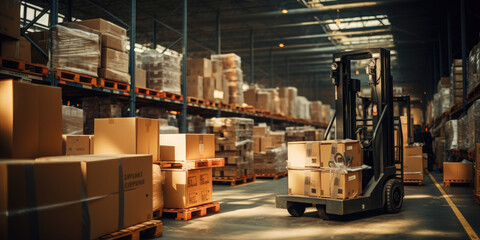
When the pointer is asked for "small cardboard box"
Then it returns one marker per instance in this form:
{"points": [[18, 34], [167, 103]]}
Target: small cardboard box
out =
{"points": [[349, 184], [10, 18], [127, 136], [304, 182], [181, 147], [75, 144], [199, 67], [184, 189], [260, 131], [16, 49], [140, 78], [302, 154], [457, 171], [104, 26]]}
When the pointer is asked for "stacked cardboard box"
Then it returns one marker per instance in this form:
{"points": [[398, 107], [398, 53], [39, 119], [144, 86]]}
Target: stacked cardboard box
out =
{"points": [[458, 171], [163, 70], [269, 150], [288, 96], [312, 170], [456, 82], [184, 187], [232, 76], [99, 107], [316, 111], [302, 108], [303, 133], [11, 44], [196, 124], [201, 83], [413, 163], [16, 49], [233, 141], [451, 135]]}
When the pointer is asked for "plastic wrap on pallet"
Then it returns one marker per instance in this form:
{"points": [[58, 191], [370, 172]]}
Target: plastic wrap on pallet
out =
{"points": [[232, 76], [72, 120], [302, 109], [274, 101], [462, 132], [451, 135], [75, 50], [163, 71], [446, 100], [472, 74], [99, 107], [316, 111], [157, 194], [273, 161], [473, 126]]}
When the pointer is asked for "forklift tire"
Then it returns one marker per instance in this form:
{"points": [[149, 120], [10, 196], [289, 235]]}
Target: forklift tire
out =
{"points": [[322, 213], [393, 196], [296, 210]]}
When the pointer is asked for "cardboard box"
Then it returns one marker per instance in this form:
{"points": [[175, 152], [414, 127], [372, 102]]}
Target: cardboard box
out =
{"points": [[140, 78], [404, 121], [181, 147], [113, 75], [104, 26], [256, 144], [208, 88], [351, 148], [127, 136], [457, 171], [304, 154], [350, 184], [199, 67], [261, 130], [114, 60], [114, 42], [157, 194], [16, 49], [266, 143], [31, 123], [75, 144], [10, 18], [92, 142], [195, 86], [184, 189], [304, 182], [250, 96]]}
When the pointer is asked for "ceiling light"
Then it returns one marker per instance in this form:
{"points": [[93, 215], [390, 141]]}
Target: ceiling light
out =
{"points": [[357, 72], [284, 11], [337, 21], [281, 45]]}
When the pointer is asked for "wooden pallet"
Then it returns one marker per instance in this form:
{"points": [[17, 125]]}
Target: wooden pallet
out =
{"points": [[413, 181], [171, 96], [118, 86], [476, 197], [21, 66], [224, 105], [275, 176], [185, 214], [198, 101], [234, 180], [448, 182], [193, 164], [215, 104], [147, 91], [68, 76], [145, 230]]}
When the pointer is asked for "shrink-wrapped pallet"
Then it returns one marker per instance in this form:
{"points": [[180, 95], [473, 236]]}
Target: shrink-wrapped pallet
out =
{"points": [[232, 76], [473, 126], [451, 135], [163, 70]]}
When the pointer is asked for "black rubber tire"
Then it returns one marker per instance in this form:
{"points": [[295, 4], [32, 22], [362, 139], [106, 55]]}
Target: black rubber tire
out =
{"points": [[394, 193], [296, 210], [322, 213]]}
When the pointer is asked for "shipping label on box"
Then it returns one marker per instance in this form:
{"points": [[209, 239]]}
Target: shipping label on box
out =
{"points": [[76, 144], [304, 182]]}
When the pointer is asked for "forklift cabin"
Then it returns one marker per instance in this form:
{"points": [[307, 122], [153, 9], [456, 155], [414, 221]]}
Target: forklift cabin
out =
{"points": [[383, 182]]}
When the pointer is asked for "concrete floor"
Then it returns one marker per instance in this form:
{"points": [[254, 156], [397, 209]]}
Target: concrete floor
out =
{"points": [[248, 212]]}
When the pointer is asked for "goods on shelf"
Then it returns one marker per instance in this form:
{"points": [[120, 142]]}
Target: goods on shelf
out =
{"points": [[31, 125], [440, 151], [10, 19], [233, 141], [462, 132], [163, 70], [472, 129], [456, 82], [195, 86], [302, 108], [288, 96], [301, 133], [232, 76], [264, 99], [72, 120], [472, 69], [140, 78], [326, 114], [99, 107], [127, 136], [451, 135], [16, 49], [307, 177], [316, 111], [200, 80]]}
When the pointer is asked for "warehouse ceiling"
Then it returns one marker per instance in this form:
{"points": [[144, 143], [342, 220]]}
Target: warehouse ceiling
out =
{"points": [[304, 33]]}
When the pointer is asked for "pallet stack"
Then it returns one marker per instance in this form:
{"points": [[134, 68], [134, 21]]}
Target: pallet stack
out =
{"points": [[413, 165], [456, 82], [163, 70], [201, 83], [187, 161], [314, 171], [232, 76], [233, 141], [270, 152]]}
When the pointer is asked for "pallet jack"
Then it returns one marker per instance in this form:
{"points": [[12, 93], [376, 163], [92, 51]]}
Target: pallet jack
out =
{"points": [[383, 182]]}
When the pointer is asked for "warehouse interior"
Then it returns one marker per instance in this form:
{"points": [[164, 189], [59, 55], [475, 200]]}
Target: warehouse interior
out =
{"points": [[261, 119]]}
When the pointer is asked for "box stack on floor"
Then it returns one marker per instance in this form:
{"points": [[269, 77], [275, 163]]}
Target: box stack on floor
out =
{"points": [[35, 155], [456, 82], [163, 70], [413, 161], [200, 81], [232, 76], [187, 182], [319, 169], [270, 151], [114, 56], [233, 141]]}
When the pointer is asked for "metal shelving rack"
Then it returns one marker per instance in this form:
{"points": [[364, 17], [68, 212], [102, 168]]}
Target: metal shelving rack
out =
{"points": [[183, 106]]}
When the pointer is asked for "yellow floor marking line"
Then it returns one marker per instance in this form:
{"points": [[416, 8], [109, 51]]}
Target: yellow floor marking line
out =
{"points": [[471, 233]]}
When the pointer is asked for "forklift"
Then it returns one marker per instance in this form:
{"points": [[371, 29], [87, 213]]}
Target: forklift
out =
{"points": [[383, 182]]}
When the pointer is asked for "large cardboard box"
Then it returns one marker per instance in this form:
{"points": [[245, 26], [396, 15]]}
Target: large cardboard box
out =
{"points": [[349, 184], [199, 67], [115, 60], [208, 88], [16, 49], [114, 42], [349, 148], [31, 123], [304, 182], [127, 136], [76, 144], [182, 147], [457, 171], [184, 189], [413, 163], [195, 86], [113, 75], [140, 78], [304, 154], [10, 18], [104, 26], [266, 143]]}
